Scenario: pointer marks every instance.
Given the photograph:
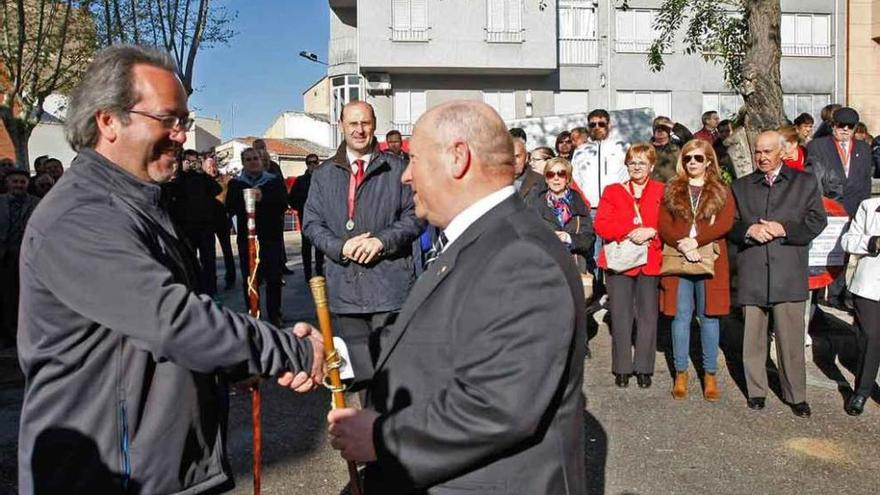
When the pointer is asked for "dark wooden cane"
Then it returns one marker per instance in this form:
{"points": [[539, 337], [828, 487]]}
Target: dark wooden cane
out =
{"points": [[253, 296]]}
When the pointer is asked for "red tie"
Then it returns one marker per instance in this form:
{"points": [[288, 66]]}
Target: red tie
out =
{"points": [[359, 175]]}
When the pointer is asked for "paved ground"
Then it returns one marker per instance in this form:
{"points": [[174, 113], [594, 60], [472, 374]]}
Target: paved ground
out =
{"points": [[638, 441]]}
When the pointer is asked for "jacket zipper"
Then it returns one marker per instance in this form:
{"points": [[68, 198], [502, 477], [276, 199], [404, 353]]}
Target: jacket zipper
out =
{"points": [[124, 446]]}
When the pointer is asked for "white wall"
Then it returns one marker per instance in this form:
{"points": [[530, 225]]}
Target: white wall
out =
{"points": [[299, 126], [48, 139]]}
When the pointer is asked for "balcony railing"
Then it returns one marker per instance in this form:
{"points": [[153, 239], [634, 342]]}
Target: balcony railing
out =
{"points": [[797, 50], [405, 128], [632, 46], [416, 35], [578, 51], [505, 36], [343, 50]]}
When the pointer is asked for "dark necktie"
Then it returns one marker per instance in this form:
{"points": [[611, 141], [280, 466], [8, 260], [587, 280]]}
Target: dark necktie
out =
{"points": [[436, 248]]}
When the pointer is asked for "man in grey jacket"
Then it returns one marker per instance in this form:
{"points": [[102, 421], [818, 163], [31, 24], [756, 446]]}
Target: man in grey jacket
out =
{"points": [[126, 365]]}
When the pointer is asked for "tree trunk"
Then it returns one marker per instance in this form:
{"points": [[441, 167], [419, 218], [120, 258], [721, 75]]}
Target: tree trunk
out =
{"points": [[762, 87], [19, 134]]}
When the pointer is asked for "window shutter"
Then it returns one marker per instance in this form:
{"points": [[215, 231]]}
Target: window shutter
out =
{"points": [[400, 14], [643, 30], [787, 28], [495, 15], [567, 27], [419, 14], [625, 25], [508, 105], [804, 26], [417, 105], [514, 16], [401, 107], [820, 30]]}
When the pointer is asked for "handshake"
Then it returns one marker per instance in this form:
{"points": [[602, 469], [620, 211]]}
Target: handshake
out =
{"points": [[306, 382]]}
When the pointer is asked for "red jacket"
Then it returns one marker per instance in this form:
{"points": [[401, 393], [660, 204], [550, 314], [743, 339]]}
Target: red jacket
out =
{"points": [[706, 135], [797, 163], [616, 216]]}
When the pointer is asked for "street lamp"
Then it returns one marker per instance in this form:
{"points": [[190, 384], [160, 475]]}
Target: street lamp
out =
{"points": [[311, 57]]}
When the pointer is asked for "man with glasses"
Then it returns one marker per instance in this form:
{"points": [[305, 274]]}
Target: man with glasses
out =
{"points": [[299, 193], [844, 168], [126, 365]]}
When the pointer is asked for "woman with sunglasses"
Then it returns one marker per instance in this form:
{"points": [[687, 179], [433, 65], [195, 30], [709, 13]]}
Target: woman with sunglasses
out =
{"points": [[697, 210], [629, 211], [565, 212]]}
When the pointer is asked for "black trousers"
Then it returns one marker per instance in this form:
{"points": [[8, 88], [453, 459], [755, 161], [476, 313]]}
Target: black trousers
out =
{"points": [[9, 288], [223, 236], [867, 329], [361, 334], [269, 271], [633, 299], [307, 248], [202, 241]]}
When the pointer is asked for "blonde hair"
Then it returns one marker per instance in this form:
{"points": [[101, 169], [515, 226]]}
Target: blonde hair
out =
{"points": [[558, 160]]}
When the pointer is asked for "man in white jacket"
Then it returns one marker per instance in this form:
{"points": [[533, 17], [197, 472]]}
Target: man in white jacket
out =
{"points": [[599, 162]]}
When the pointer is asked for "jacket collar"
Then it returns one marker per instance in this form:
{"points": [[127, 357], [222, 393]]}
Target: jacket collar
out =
{"points": [[785, 173], [440, 269], [94, 166], [340, 159]]}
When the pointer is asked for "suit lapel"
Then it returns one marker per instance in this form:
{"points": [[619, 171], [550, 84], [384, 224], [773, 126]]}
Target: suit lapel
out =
{"points": [[439, 270]]}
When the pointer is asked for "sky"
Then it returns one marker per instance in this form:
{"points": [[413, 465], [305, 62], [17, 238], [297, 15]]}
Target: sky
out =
{"points": [[260, 71]]}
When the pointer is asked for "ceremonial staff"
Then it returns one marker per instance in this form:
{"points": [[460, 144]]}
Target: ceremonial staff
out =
{"points": [[332, 363], [253, 297]]}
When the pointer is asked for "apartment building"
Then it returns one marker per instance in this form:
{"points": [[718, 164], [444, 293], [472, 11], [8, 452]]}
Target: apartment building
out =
{"points": [[531, 58]]}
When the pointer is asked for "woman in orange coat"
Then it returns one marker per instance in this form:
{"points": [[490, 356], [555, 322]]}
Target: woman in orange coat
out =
{"points": [[629, 211], [697, 209]]}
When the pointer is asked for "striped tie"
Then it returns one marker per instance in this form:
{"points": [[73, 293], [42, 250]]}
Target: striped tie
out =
{"points": [[436, 248]]}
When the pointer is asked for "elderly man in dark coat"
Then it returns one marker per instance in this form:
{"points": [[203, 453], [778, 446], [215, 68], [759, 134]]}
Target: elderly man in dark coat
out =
{"points": [[462, 404], [779, 211]]}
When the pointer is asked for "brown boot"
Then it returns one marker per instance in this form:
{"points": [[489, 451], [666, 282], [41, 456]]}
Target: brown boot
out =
{"points": [[680, 389], [710, 387]]}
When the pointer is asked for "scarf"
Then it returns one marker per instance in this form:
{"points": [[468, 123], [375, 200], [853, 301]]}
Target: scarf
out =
{"points": [[257, 181], [561, 206]]}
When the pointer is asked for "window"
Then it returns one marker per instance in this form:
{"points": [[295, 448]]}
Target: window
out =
{"points": [[726, 104], [634, 31], [504, 21], [578, 43], [659, 101], [565, 102], [796, 104], [408, 107], [409, 20], [806, 35], [504, 102], [344, 90]]}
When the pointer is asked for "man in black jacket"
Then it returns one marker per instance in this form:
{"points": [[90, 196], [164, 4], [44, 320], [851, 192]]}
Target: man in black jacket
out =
{"points": [[125, 363], [192, 197], [271, 204], [844, 168], [299, 193], [362, 217]]}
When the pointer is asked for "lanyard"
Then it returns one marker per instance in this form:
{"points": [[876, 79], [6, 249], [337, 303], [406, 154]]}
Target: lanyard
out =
{"points": [[694, 206], [636, 202], [354, 181]]}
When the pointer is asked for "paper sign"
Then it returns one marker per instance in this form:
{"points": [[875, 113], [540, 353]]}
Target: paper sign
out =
{"points": [[825, 250]]}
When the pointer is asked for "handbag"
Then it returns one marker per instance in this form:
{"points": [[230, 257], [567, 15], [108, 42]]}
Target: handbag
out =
{"points": [[674, 263], [625, 255]]}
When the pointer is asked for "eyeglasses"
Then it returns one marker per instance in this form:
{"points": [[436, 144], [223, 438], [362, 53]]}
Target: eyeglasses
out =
{"points": [[550, 174], [638, 164], [599, 123], [687, 159], [168, 121], [845, 126]]}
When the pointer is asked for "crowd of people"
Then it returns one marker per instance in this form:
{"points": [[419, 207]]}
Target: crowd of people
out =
{"points": [[449, 267]]}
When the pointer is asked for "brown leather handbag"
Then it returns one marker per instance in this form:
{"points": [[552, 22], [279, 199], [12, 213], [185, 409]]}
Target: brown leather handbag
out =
{"points": [[674, 263]]}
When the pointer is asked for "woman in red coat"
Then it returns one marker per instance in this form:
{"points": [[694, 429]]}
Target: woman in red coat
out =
{"points": [[630, 211], [697, 210], [793, 153]]}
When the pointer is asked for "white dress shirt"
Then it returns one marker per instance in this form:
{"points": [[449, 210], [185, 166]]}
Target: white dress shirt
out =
{"points": [[352, 157], [473, 213]]}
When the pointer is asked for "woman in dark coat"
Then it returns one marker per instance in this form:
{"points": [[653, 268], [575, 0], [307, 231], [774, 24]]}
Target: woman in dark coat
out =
{"points": [[697, 210], [565, 212]]}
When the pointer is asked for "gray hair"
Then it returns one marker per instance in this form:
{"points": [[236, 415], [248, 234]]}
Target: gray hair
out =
{"points": [[107, 86]]}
